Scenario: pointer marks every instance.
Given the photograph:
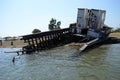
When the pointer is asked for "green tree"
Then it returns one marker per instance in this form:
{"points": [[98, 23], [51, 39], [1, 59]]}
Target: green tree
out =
{"points": [[116, 30], [58, 25], [54, 25], [14, 38], [36, 31]]}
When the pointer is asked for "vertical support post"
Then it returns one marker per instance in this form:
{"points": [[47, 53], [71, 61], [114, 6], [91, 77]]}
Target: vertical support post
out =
{"points": [[40, 43], [36, 43], [28, 41], [33, 43], [47, 41]]}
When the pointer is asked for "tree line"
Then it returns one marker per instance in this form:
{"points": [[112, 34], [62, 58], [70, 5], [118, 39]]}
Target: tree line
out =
{"points": [[53, 25], [116, 30]]}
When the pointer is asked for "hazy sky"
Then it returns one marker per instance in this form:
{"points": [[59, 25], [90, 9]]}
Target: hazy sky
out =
{"points": [[19, 17]]}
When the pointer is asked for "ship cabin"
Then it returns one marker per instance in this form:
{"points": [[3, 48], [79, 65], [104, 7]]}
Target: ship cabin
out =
{"points": [[90, 22]]}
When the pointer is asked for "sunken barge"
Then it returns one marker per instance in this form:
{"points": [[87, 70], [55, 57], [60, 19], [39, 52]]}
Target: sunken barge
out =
{"points": [[89, 26]]}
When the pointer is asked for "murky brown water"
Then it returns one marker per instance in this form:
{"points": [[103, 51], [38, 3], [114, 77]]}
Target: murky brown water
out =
{"points": [[102, 63]]}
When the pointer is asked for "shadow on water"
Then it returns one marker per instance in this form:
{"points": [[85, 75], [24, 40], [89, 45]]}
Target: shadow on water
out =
{"points": [[110, 40]]}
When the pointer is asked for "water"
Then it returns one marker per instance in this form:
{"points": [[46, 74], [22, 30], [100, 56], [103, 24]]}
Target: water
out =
{"points": [[102, 63]]}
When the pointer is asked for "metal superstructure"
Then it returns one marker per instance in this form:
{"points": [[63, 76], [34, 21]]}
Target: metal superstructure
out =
{"points": [[90, 22]]}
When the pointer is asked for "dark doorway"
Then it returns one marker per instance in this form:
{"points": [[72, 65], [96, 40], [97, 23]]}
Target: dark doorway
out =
{"points": [[84, 31]]}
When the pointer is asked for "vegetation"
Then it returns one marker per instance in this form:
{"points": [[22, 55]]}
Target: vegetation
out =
{"points": [[54, 25], [14, 37], [8, 38], [36, 31], [116, 30]]}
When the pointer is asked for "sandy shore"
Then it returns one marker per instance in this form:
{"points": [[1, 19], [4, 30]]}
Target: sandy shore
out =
{"points": [[20, 43], [16, 44], [117, 35]]}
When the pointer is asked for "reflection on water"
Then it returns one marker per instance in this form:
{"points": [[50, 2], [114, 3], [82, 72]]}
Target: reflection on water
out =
{"points": [[102, 63]]}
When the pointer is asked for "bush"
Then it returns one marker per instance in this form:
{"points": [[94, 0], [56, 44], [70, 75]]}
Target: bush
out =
{"points": [[36, 31], [116, 30]]}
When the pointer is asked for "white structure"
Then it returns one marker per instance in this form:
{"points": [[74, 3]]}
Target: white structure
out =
{"points": [[82, 19], [90, 22]]}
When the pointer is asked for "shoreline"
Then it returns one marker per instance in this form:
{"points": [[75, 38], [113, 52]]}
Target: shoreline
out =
{"points": [[14, 44], [116, 35], [20, 43]]}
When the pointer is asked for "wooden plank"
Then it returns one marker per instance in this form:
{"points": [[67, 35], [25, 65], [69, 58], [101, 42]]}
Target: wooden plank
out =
{"points": [[84, 47], [88, 44], [14, 51], [92, 41], [30, 50], [44, 33]]}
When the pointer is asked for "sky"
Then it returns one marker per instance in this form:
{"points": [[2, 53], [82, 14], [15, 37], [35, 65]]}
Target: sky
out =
{"points": [[20, 17]]}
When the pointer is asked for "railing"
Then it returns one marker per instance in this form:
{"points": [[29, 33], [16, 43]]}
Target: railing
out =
{"points": [[44, 40]]}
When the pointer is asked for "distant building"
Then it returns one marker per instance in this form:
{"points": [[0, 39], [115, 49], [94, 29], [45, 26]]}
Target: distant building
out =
{"points": [[8, 38]]}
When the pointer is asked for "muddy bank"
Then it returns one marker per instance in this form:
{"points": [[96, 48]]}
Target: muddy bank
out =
{"points": [[14, 44], [20, 43], [117, 35]]}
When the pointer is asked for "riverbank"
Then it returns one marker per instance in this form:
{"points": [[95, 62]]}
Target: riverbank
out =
{"points": [[14, 44], [20, 43], [117, 35]]}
